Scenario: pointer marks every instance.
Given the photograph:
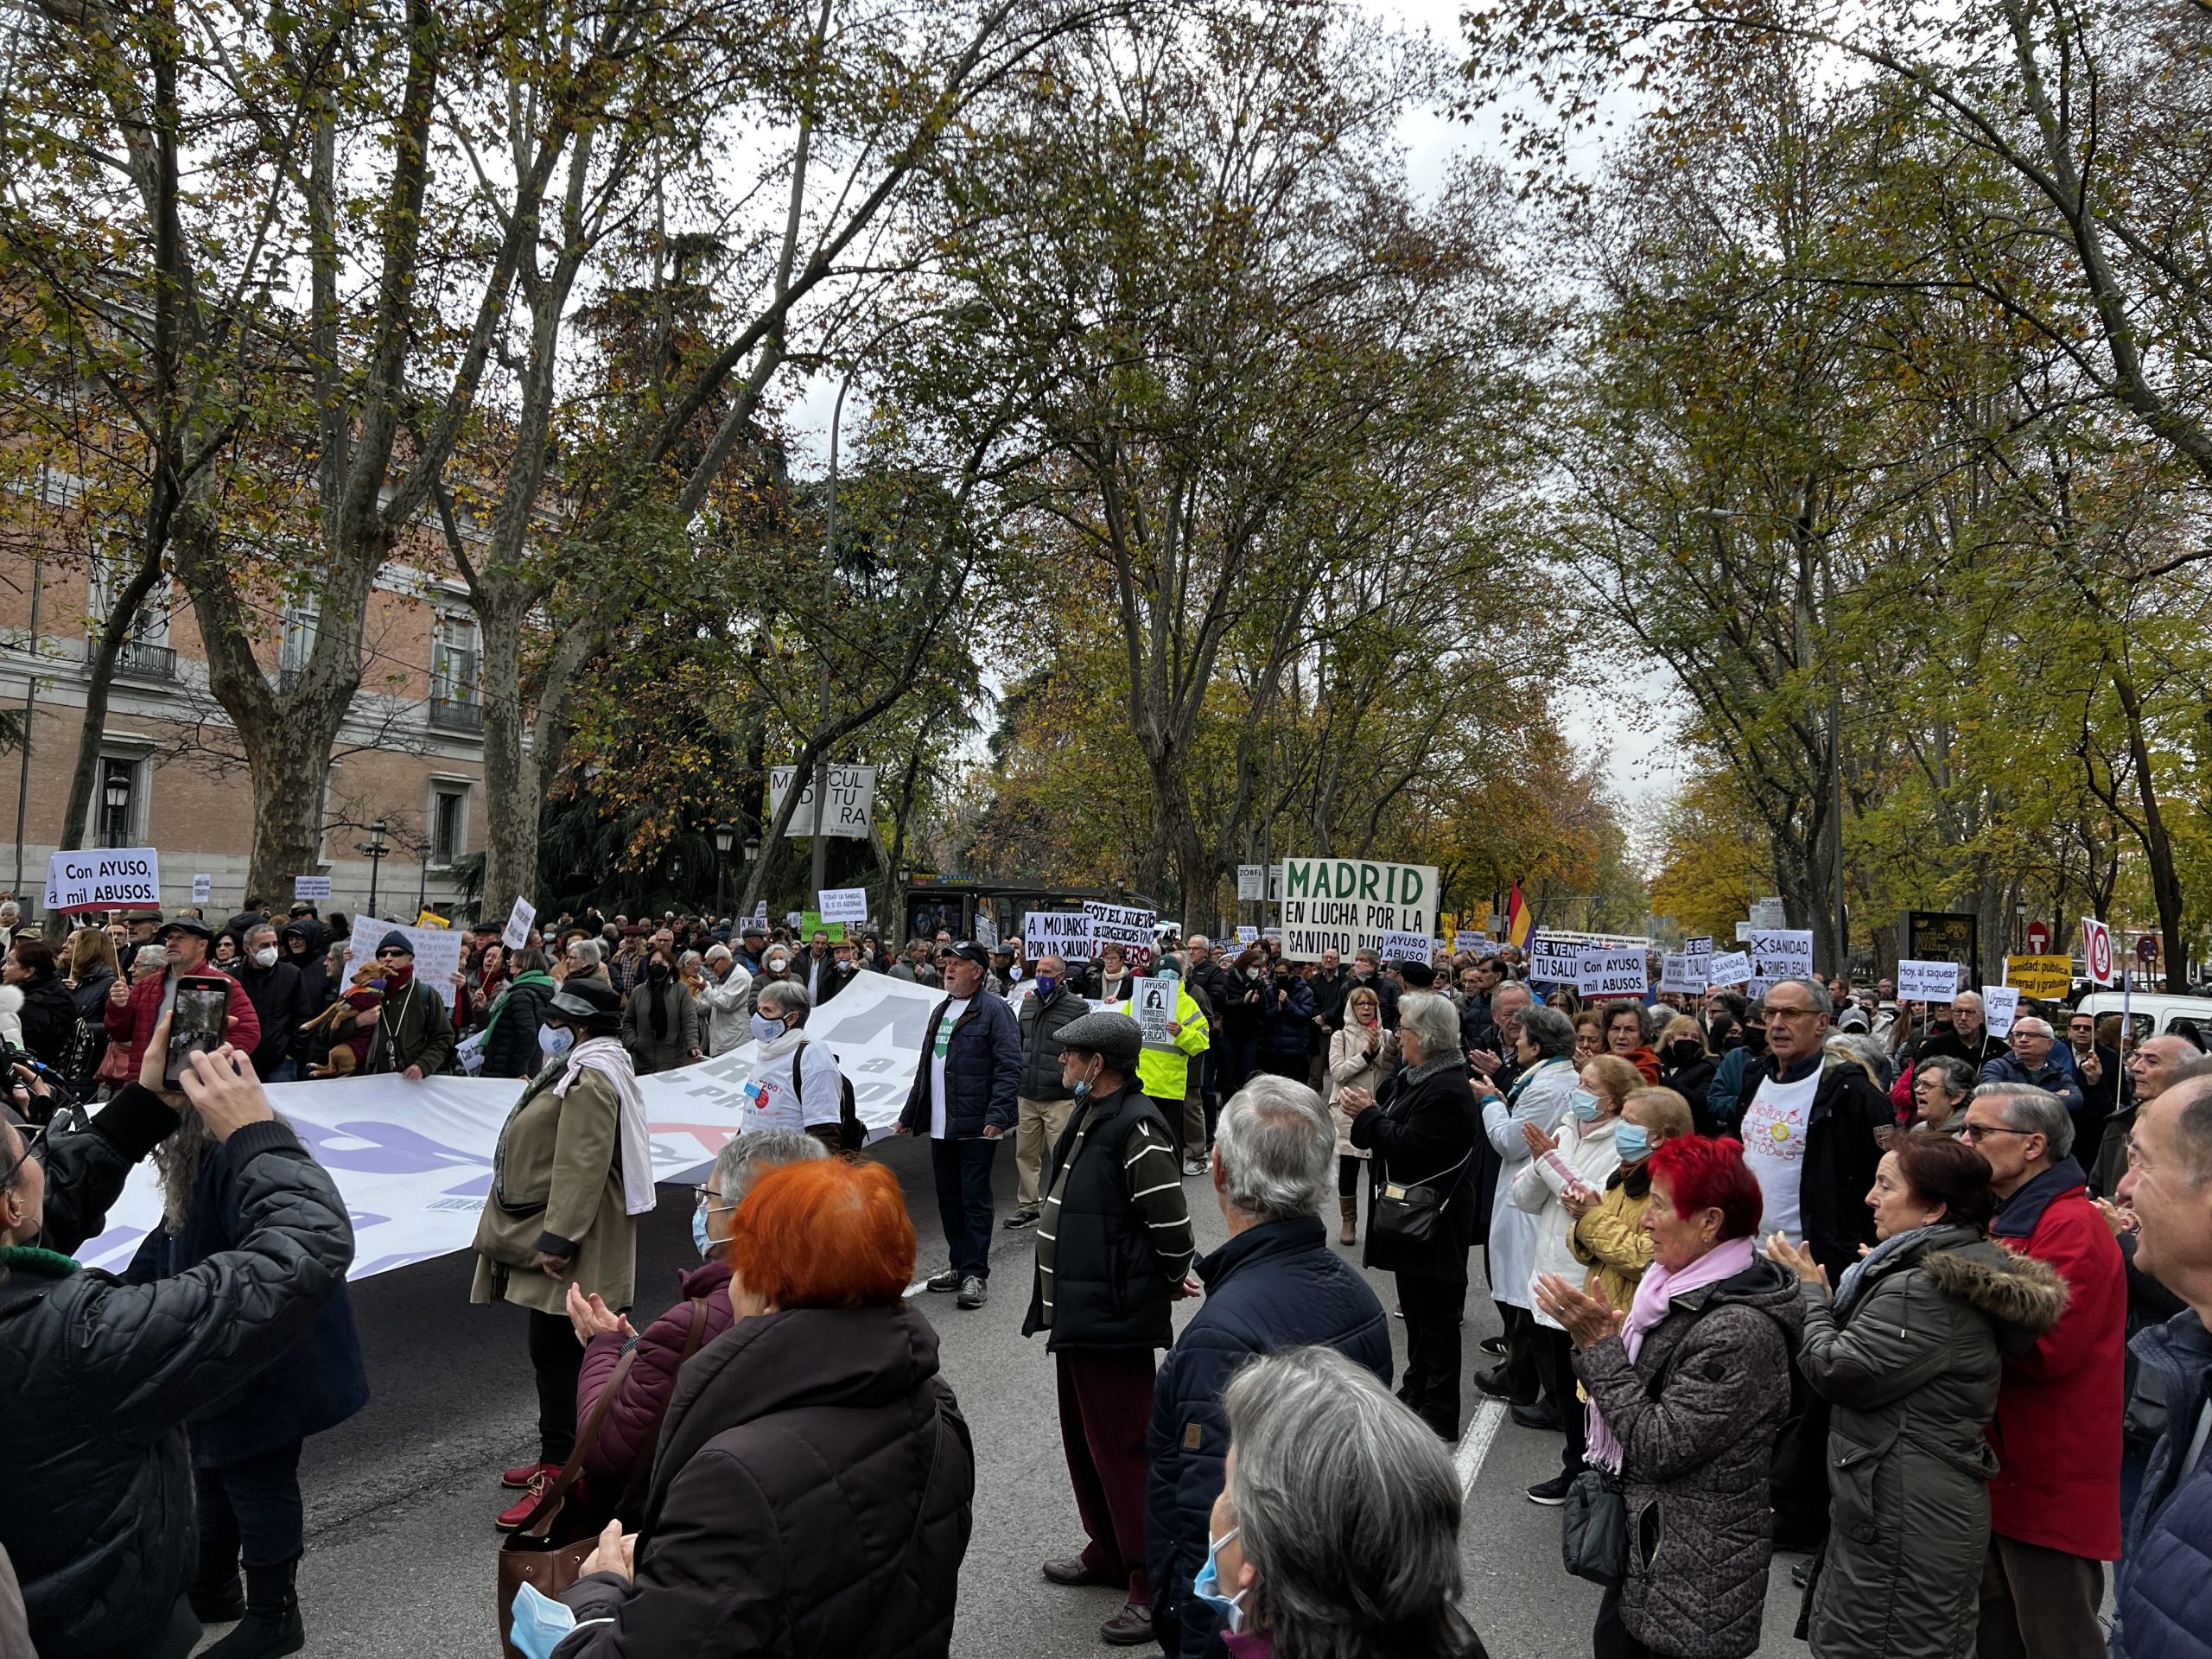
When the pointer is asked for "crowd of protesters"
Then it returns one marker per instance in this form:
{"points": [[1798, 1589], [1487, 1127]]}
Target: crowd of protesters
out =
{"points": [[1812, 1272]]}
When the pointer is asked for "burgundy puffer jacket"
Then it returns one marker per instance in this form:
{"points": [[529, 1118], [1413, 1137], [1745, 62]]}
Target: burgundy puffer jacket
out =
{"points": [[622, 1442]]}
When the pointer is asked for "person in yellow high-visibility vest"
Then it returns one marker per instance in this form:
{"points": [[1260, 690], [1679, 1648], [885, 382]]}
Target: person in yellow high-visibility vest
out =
{"points": [[1164, 1073]]}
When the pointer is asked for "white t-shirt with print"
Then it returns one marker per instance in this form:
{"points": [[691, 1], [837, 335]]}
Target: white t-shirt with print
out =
{"points": [[954, 1008], [1774, 1149]]}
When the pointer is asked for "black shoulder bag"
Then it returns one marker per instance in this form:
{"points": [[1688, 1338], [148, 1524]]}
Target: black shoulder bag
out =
{"points": [[1410, 1213], [1594, 1528]]}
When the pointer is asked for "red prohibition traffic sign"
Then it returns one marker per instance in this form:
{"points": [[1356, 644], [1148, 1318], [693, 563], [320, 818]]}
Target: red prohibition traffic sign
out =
{"points": [[2038, 939]]}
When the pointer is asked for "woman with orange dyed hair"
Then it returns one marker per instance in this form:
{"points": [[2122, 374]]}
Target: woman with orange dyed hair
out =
{"points": [[774, 1526]]}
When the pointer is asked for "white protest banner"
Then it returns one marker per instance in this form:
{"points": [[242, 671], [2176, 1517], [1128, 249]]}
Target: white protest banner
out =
{"points": [[413, 1160], [2000, 1005], [1251, 881], [760, 912], [1152, 1005], [1552, 959], [1733, 969], [1126, 925], [203, 888], [104, 878], [516, 934], [793, 917], [849, 811], [437, 952], [313, 888], [1698, 945], [1769, 915], [1927, 982], [1612, 973], [1404, 947], [1062, 933], [986, 929], [1353, 904], [1247, 936], [1682, 972], [2096, 949], [844, 904], [1782, 953]]}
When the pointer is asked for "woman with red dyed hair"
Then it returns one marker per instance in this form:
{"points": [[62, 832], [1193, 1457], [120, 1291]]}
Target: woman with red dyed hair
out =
{"points": [[815, 1483], [1687, 1390]]}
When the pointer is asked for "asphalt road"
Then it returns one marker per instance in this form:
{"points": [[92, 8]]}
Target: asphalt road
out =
{"points": [[400, 1500]]}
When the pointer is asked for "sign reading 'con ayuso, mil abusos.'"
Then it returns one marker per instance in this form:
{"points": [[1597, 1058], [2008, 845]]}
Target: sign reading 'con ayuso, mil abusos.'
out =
{"points": [[1349, 904]]}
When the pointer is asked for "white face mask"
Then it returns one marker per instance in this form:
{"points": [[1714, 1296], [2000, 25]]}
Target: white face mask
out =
{"points": [[265, 958], [554, 1041]]}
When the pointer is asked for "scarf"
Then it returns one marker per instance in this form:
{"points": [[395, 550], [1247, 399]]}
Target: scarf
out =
{"points": [[656, 992], [1654, 1301], [1854, 1276], [606, 1056], [505, 996]]}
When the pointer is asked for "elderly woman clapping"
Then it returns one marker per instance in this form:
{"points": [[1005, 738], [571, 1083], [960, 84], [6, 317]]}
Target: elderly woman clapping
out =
{"points": [[1686, 1390], [1312, 1433]]}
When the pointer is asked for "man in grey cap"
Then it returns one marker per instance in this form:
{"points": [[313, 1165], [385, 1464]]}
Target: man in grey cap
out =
{"points": [[1114, 1249]]}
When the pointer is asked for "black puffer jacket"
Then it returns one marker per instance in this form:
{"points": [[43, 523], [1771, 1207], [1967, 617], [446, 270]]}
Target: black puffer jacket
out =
{"points": [[49, 1017], [97, 1378], [1041, 1019], [800, 1451]]}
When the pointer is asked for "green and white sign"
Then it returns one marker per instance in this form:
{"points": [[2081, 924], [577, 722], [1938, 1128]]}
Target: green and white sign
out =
{"points": [[1353, 904]]}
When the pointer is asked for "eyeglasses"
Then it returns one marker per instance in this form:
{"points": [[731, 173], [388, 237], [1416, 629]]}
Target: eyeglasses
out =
{"points": [[1972, 1132], [393, 955], [1789, 1014], [34, 1139], [703, 1199]]}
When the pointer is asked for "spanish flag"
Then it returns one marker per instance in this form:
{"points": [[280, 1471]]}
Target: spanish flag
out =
{"points": [[1516, 919]]}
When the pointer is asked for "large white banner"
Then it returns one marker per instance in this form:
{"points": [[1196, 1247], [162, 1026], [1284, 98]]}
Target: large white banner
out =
{"points": [[414, 1159], [848, 811]]}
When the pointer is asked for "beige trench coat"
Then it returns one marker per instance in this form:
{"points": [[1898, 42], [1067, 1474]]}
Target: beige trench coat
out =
{"points": [[557, 1180]]}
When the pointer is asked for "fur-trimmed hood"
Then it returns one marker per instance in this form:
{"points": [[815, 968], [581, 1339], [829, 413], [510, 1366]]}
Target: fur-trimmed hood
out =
{"points": [[2024, 1296]]}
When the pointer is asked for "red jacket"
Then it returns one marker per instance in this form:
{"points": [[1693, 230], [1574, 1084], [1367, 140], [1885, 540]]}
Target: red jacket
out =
{"points": [[2057, 1429], [626, 1438], [134, 1022]]}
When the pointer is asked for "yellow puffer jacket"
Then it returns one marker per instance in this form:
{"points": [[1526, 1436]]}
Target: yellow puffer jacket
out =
{"points": [[1610, 1239]]}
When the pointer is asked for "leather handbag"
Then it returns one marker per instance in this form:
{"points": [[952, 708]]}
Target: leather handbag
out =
{"points": [[1594, 1530], [1410, 1213], [548, 1551]]}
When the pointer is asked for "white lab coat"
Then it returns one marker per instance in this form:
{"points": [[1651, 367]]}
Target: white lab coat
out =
{"points": [[1541, 1100], [1587, 1149]]}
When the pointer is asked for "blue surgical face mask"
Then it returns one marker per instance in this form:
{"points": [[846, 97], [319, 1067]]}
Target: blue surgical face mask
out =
{"points": [[1583, 1105], [699, 1233], [541, 1623], [1167, 974], [1207, 1585], [554, 1041], [765, 1029], [1632, 1141]]}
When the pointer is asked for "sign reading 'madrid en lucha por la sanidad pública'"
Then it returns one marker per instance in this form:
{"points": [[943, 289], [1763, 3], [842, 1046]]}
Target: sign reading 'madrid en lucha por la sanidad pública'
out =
{"points": [[1349, 904]]}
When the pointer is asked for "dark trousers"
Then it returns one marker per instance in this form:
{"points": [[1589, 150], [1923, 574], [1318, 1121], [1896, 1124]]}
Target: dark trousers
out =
{"points": [[1349, 1170], [556, 1357], [1611, 1640], [2038, 1603], [1240, 1058], [963, 1201], [1522, 1377], [1105, 1405], [251, 1509], [1555, 1369], [1432, 1307]]}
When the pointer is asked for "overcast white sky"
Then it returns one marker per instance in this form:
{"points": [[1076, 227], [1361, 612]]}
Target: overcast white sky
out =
{"points": [[1638, 765]]}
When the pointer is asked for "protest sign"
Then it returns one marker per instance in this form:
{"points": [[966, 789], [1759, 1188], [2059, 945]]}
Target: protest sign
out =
{"points": [[1404, 947], [203, 888], [1062, 933], [1247, 936], [1353, 904], [437, 952], [2096, 951], [811, 922], [1275, 933], [1152, 1005], [2000, 1005], [1927, 982], [428, 918], [1251, 882], [1126, 925], [844, 904], [413, 1160], [516, 934], [1698, 945], [849, 811], [1769, 915], [104, 878], [1733, 968], [1682, 972], [986, 929], [1612, 973], [1552, 959], [2047, 979], [1782, 953], [315, 889]]}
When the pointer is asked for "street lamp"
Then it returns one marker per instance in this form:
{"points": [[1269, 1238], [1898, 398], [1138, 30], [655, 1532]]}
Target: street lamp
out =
{"points": [[116, 794], [376, 852], [725, 833], [2020, 926]]}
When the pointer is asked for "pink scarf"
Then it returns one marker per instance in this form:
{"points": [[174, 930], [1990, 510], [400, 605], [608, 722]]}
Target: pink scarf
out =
{"points": [[1655, 1296]]}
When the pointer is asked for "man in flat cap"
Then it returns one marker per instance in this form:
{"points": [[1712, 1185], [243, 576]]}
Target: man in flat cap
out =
{"points": [[1114, 1249]]}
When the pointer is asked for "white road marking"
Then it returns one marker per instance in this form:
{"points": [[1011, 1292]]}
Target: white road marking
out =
{"points": [[1474, 1441], [918, 1286]]}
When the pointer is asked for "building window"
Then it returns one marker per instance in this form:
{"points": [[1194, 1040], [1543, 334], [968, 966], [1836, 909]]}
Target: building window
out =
{"points": [[145, 653], [300, 621], [118, 805], [455, 660], [448, 823]]}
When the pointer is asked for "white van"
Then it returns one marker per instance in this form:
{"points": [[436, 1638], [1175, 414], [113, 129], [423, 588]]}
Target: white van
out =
{"points": [[2152, 1012]]}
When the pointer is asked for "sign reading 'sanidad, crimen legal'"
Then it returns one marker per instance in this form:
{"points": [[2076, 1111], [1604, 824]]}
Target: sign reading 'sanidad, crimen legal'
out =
{"points": [[1350, 904]]}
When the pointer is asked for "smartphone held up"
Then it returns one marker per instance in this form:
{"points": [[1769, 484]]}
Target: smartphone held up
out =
{"points": [[195, 1021]]}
